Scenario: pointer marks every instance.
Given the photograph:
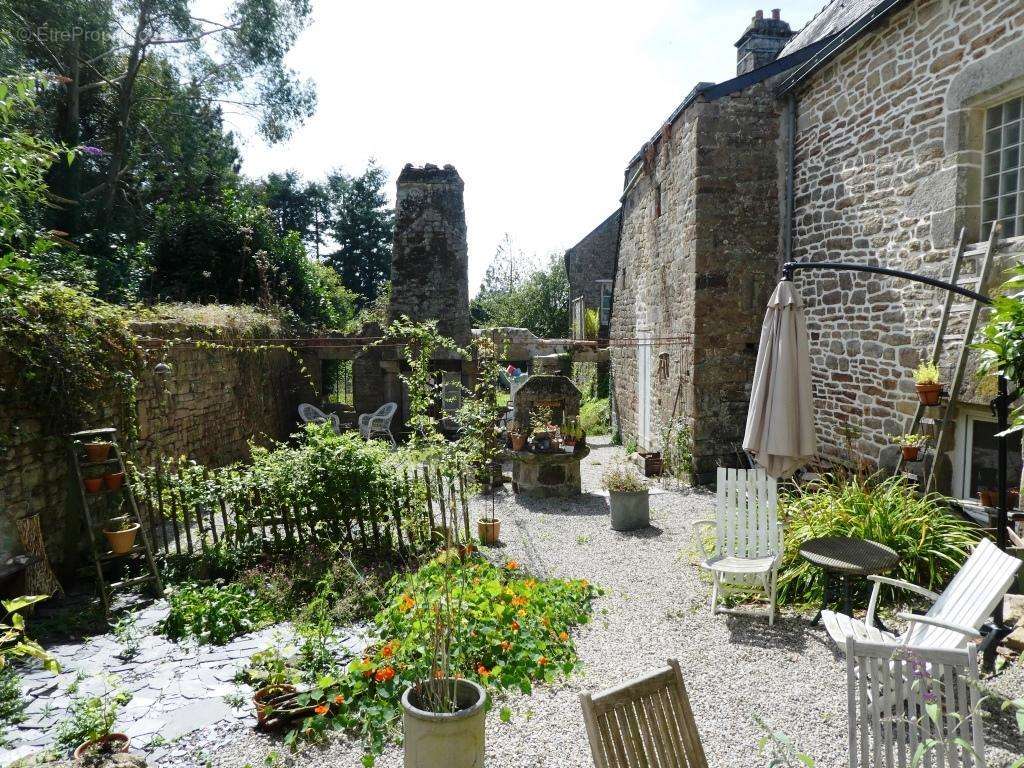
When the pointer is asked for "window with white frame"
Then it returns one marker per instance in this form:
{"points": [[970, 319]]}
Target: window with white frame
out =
{"points": [[1002, 191], [976, 457], [606, 302]]}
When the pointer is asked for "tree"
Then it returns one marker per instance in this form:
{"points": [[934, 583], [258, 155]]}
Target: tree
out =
{"points": [[507, 269], [305, 209], [540, 302], [362, 223]]}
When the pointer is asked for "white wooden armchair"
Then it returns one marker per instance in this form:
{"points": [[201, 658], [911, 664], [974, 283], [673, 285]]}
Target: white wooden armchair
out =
{"points": [[956, 616], [378, 423], [905, 699], [311, 414], [748, 538], [647, 722]]}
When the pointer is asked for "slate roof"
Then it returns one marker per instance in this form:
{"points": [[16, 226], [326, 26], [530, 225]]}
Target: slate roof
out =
{"points": [[836, 16]]}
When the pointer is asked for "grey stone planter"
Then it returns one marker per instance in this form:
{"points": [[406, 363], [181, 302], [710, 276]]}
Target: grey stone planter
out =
{"points": [[629, 510], [443, 740]]}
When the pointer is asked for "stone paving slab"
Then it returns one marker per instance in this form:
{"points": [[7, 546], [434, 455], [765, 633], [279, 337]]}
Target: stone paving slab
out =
{"points": [[177, 689]]}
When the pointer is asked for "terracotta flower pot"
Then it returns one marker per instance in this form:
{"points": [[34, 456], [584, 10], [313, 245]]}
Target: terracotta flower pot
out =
{"points": [[518, 442], [910, 452], [929, 393], [97, 452], [262, 698], [488, 531], [93, 484], [114, 481], [112, 742], [121, 542], [989, 498]]}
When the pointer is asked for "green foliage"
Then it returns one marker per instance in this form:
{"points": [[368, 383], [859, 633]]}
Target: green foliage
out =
{"points": [[909, 440], [228, 250], [677, 451], [127, 634], [926, 373], [69, 348], [12, 705], [540, 302], [514, 632], [1002, 337], [214, 614], [25, 160], [594, 416], [90, 718], [271, 666], [591, 324], [15, 644], [931, 542], [480, 432], [621, 478]]}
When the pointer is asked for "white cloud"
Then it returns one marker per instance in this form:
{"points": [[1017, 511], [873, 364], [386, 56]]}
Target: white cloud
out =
{"points": [[539, 104]]}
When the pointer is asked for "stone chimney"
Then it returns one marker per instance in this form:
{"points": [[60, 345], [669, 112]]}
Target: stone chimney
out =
{"points": [[429, 261], [762, 41]]}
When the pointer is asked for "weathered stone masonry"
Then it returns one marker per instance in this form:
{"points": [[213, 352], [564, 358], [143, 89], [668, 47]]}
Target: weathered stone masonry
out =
{"points": [[208, 407], [887, 172]]}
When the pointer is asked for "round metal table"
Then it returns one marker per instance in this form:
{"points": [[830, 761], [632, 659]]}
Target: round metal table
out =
{"points": [[844, 558]]}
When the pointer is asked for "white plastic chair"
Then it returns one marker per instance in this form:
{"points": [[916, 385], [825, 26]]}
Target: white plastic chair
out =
{"points": [[748, 537], [955, 616], [900, 698], [378, 423], [311, 414]]}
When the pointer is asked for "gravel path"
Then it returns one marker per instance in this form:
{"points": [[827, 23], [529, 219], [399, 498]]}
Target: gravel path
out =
{"points": [[655, 606]]}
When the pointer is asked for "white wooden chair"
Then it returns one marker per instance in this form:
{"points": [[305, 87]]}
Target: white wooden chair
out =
{"points": [[647, 722], [378, 423], [955, 616], [748, 537], [311, 414], [889, 693]]}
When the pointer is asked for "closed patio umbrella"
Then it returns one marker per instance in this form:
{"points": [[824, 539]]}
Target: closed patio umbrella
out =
{"points": [[780, 419]]}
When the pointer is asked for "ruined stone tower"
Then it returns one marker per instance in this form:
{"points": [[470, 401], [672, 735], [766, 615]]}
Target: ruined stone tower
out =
{"points": [[429, 262]]}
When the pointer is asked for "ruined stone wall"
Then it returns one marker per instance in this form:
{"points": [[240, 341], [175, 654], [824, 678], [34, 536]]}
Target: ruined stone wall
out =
{"points": [[208, 407], [697, 277], [887, 172], [430, 261], [593, 259]]}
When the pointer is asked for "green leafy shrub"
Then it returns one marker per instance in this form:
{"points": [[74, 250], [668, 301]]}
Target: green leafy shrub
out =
{"points": [[594, 416], [214, 614], [514, 632], [90, 718], [931, 542], [12, 705]]}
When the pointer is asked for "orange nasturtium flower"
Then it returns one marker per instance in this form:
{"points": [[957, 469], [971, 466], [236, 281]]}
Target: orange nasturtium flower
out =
{"points": [[530, 583], [384, 674], [505, 645], [388, 650], [321, 709], [512, 565], [518, 600], [339, 699], [542, 660], [483, 671], [563, 636], [515, 625], [406, 604]]}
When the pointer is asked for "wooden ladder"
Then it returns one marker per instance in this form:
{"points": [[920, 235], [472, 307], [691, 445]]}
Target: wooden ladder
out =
{"points": [[89, 501], [975, 282]]}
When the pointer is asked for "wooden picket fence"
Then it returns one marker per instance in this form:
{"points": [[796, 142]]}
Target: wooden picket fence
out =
{"points": [[431, 508]]}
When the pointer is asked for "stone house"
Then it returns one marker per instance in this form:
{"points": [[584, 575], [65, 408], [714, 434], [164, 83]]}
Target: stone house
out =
{"points": [[874, 135], [590, 268]]}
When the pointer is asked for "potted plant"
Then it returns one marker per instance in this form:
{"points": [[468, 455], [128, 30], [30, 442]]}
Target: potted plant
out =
{"points": [[90, 724], [628, 499], [488, 530], [443, 716], [516, 436], [654, 465], [989, 497], [910, 444], [121, 533], [926, 379], [98, 450], [267, 697], [93, 484], [114, 481], [570, 435]]}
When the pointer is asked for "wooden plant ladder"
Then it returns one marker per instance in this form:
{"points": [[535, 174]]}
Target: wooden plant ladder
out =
{"points": [[93, 523], [976, 283]]}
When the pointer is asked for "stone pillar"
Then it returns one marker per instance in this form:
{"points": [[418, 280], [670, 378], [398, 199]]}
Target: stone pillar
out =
{"points": [[430, 262]]}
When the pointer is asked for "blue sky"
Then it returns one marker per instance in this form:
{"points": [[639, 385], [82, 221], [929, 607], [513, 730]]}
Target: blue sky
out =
{"points": [[539, 104]]}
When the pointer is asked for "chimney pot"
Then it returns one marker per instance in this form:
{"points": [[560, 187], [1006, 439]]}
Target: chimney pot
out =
{"points": [[777, 14], [759, 15]]}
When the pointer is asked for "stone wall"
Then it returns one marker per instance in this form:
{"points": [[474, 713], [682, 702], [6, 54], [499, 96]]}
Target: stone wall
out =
{"points": [[593, 259], [430, 261], [207, 407], [696, 278], [887, 167]]}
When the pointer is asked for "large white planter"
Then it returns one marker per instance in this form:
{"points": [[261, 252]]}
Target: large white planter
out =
{"points": [[629, 509], [445, 740]]}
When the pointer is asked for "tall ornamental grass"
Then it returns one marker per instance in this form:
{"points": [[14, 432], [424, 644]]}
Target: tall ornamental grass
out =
{"points": [[932, 543]]}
